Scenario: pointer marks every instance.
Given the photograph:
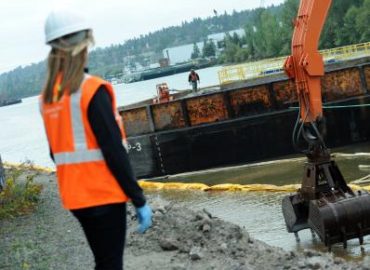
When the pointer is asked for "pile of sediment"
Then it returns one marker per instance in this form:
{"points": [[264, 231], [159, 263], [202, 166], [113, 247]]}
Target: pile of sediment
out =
{"points": [[50, 238], [183, 239]]}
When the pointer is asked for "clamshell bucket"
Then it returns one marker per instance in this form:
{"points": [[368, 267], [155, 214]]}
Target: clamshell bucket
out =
{"points": [[340, 217], [328, 206]]}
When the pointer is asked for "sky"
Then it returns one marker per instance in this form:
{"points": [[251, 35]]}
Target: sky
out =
{"points": [[113, 21]]}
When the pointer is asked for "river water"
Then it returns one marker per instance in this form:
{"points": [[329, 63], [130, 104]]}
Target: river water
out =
{"points": [[22, 138]]}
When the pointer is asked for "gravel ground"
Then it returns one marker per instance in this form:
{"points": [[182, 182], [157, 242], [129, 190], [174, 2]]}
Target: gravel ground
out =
{"points": [[50, 238]]}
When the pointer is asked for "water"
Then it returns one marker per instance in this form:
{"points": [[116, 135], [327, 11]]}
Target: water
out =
{"points": [[22, 135], [22, 138]]}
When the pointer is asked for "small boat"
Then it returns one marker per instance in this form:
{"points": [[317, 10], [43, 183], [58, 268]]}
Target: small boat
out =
{"points": [[9, 102]]}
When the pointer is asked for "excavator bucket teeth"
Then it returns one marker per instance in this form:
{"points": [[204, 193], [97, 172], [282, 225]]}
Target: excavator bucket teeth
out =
{"points": [[295, 212], [338, 218]]}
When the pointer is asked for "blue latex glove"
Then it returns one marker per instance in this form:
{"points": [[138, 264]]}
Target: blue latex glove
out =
{"points": [[144, 215]]}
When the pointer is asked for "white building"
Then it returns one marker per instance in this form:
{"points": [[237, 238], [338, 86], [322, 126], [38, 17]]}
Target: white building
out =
{"points": [[183, 53]]}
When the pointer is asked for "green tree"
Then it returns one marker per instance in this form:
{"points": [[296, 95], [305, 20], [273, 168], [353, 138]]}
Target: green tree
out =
{"points": [[209, 49], [288, 15], [196, 52], [335, 21], [230, 50], [236, 39], [241, 55], [271, 34], [363, 22], [265, 36], [249, 38], [349, 33]]}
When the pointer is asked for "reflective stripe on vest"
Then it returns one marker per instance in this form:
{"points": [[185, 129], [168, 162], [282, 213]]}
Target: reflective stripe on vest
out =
{"points": [[81, 153], [78, 157]]}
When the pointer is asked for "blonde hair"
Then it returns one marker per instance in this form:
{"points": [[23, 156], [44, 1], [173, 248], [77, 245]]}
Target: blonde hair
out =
{"points": [[66, 62]]}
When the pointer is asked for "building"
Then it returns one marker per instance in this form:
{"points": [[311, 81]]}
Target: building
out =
{"points": [[181, 54]]}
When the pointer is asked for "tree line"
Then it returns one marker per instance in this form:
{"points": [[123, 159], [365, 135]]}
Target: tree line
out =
{"points": [[267, 34]]}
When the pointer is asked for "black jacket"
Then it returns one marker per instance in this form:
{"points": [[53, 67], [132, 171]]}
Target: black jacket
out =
{"points": [[108, 135]]}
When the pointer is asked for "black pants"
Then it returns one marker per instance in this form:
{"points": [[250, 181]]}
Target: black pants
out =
{"points": [[105, 230]]}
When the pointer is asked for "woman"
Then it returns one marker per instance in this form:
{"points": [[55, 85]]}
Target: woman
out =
{"points": [[85, 135]]}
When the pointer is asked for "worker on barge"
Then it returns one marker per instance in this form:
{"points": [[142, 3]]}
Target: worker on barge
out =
{"points": [[194, 79], [85, 135]]}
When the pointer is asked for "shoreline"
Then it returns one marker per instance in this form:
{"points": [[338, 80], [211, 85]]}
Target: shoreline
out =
{"points": [[50, 238]]}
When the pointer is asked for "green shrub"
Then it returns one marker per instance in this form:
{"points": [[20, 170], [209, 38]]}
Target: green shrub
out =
{"points": [[19, 196]]}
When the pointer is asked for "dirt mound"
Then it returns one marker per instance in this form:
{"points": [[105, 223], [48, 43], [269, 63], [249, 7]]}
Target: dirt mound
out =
{"points": [[184, 239]]}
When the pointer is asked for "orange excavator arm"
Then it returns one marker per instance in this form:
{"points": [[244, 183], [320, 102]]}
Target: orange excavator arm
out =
{"points": [[306, 65], [324, 203]]}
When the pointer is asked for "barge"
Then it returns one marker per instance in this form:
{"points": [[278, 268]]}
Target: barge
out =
{"points": [[243, 122], [9, 102], [168, 70]]}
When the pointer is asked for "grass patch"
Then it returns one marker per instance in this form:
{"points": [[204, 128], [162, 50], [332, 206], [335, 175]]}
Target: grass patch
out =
{"points": [[20, 195]]}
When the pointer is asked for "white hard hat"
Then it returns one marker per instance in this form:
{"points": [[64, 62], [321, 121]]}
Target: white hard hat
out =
{"points": [[64, 22]]}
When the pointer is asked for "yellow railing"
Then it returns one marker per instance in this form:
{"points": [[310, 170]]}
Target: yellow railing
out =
{"points": [[265, 67]]}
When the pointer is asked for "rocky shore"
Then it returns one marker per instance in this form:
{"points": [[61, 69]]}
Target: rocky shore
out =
{"points": [[50, 238]]}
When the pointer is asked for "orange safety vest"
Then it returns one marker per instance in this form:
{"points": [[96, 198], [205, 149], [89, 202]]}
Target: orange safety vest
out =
{"points": [[193, 77], [84, 178]]}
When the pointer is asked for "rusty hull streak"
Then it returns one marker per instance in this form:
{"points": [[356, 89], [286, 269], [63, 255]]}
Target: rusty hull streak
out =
{"points": [[135, 121], [341, 84], [168, 116], [206, 109], [250, 100], [285, 92], [367, 76]]}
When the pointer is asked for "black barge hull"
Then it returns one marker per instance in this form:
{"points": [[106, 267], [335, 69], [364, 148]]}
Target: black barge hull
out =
{"points": [[243, 124]]}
